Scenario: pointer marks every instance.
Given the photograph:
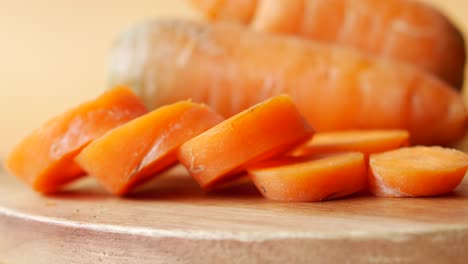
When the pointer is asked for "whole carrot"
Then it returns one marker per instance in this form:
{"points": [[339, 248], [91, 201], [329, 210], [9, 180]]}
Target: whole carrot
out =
{"points": [[239, 10], [404, 30], [231, 69]]}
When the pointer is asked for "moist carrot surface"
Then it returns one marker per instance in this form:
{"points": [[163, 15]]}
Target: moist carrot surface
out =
{"points": [[44, 159], [310, 180], [416, 171], [232, 68], [133, 153], [260, 132], [365, 141], [405, 30]]}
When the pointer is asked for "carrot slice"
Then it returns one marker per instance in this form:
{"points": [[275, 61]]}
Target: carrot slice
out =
{"points": [[260, 132], [44, 159], [365, 141], [416, 171], [301, 180], [131, 154]]}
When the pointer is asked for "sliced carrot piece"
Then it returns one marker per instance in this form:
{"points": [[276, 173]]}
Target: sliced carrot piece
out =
{"points": [[416, 171], [365, 141], [311, 179], [132, 154], [260, 132], [44, 159]]}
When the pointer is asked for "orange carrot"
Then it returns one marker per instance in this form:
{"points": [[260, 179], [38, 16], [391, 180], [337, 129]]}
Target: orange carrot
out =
{"points": [[302, 180], [416, 171], [232, 69], [238, 10], [404, 30], [44, 159], [367, 142], [263, 131], [133, 153]]}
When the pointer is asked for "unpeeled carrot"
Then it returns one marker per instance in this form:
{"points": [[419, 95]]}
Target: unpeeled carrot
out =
{"points": [[44, 159], [416, 171], [404, 30], [301, 180], [133, 153], [266, 130], [365, 141], [239, 10], [231, 69]]}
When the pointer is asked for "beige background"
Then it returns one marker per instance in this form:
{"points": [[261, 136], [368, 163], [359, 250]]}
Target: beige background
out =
{"points": [[53, 52]]}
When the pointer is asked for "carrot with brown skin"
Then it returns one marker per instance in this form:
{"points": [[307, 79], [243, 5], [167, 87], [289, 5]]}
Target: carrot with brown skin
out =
{"points": [[367, 142], [134, 153], [416, 171], [264, 131], [311, 179], [404, 30], [231, 69], [44, 159]]}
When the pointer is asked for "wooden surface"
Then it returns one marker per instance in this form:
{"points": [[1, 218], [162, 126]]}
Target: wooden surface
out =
{"points": [[172, 221], [54, 55]]}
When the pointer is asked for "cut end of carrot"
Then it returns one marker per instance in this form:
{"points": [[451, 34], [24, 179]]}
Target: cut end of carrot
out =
{"points": [[365, 141], [310, 179], [263, 131], [416, 171], [133, 153], [59, 174], [44, 159]]}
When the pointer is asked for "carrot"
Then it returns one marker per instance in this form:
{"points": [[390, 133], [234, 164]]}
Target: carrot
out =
{"points": [[231, 69], [263, 131], [239, 10], [133, 153], [301, 180], [44, 159], [402, 30], [416, 171], [367, 142]]}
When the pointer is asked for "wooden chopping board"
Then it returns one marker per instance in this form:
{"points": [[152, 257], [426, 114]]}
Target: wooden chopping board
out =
{"points": [[176, 222], [171, 221]]}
